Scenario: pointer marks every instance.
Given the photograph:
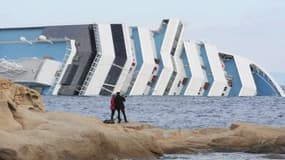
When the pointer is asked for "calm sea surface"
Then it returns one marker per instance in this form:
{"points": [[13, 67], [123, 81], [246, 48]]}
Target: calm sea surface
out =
{"points": [[184, 112]]}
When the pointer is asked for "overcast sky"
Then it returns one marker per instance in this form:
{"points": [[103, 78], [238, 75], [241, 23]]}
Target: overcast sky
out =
{"points": [[251, 28]]}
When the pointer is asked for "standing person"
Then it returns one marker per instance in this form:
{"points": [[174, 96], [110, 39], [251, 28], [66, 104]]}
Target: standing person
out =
{"points": [[113, 107], [119, 103]]}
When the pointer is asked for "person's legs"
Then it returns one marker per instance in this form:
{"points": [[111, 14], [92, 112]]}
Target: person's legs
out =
{"points": [[119, 118], [124, 114], [112, 114]]}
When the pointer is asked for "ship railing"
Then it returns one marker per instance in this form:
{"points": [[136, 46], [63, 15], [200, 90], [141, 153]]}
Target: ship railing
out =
{"points": [[97, 38], [31, 42], [94, 63], [68, 50], [259, 72], [118, 66], [108, 85], [108, 90], [89, 74]]}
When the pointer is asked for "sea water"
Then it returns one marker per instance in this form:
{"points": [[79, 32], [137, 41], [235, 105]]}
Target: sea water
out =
{"points": [[184, 112]]}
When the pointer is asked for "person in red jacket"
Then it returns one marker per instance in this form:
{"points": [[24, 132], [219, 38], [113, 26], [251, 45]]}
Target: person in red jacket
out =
{"points": [[113, 107]]}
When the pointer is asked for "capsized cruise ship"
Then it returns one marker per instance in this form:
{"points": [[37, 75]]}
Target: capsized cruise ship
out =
{"points": [[101, 59]]}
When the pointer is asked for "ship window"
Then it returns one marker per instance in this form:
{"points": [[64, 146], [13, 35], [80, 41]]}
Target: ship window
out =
{"points": [[206, 85], [179, 83], [184, 81], [156, 61], [230, 83]]}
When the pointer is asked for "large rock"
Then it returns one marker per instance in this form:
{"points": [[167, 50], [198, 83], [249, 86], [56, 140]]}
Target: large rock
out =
{"points": [[20, 95], [15, 102], [29, 133]]}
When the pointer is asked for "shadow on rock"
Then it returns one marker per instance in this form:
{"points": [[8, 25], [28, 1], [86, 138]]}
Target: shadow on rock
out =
{"points": [[8, 154]]}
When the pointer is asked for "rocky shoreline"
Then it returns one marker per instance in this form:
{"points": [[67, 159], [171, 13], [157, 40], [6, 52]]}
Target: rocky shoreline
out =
{"points": [[27, 132]]}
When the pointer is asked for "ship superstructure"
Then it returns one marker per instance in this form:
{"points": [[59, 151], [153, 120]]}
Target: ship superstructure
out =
{"points": [[101, 59]]}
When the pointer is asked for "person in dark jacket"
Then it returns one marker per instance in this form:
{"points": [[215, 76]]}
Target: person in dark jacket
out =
{"points": [[119, 103]]}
